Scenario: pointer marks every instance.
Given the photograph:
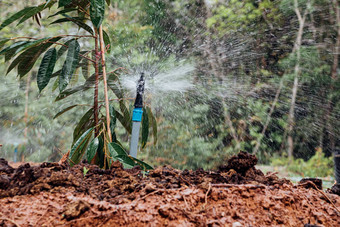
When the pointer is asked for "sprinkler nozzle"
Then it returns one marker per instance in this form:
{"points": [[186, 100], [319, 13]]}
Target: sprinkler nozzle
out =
{"points": [[140, 91]]}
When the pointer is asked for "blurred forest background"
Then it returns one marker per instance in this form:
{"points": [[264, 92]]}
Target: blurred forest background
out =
{"points": [[265, 80]]}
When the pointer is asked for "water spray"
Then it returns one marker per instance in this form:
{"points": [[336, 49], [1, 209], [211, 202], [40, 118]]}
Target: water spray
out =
{"points": [[137, 116]]}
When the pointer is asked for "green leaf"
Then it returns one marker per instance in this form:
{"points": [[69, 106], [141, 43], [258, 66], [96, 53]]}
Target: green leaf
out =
{"points": [[152, 123], [63, 12], [97, 10], [13, 46], [64, 48], [15, 17], [89, 83], [3, 42], [85, 68], [85, 123], [64, 111], [32, 12], [107, 41], [78, 149], [113, 121], [13, 51], [27, 59], [126, 160], [77, 21], [63, 3], [117, 152], [46, 68], [55, 84], [70, 64], [145, 128], [112, 82], [125, 118], [141, 163], [92, 149], [117, 148], [49, 3]]}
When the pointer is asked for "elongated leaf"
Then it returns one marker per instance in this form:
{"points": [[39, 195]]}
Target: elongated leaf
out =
{"points": [[87, 85], [46, 68], [107, 41], [113, 121], [133, 162], [65, 110], [63, 49], [49, 3], [24, 47], [27, 59], [62, 12], [85, 123], [118, 149], [152, 123], [55, 85], [70, 64], [113, 83], [14, 46], [145, 128], [126, 160], [78, 149], [75, 20], [142, 164], [11, 52], [92, 149], [3, 42], [63, 3], [108, 2], [85, 68], [32, 12], [113, 152], [97, 10], [15, 17]]}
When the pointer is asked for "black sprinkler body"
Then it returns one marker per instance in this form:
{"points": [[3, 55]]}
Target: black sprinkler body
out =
{"points": [[140, 92]]}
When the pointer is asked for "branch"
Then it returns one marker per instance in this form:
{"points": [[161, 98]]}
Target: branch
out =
{"points": [[258, 142]]}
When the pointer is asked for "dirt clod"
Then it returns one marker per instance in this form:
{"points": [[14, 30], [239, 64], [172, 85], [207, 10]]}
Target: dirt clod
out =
{"points": [[237, 194], [75, 209]]}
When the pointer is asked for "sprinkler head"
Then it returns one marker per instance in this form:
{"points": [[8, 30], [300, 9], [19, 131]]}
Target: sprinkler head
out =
{"points": [[140, 91]]}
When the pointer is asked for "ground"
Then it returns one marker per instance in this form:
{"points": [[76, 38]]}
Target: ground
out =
{"points": [[55, 194]]}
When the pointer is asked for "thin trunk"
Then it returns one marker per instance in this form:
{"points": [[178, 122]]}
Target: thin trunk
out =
{"points": [[102, 50], [96, 84], [28, 82], [297, 71], [258, 142], [336, 51], [96, 88]]}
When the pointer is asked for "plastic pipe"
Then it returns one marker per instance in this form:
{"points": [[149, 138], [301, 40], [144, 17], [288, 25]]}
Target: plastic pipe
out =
{"points": [[137, 117]]}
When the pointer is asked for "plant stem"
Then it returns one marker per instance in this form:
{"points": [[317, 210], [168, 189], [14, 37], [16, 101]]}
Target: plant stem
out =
{"points": [[96, 83], [102, 49]]}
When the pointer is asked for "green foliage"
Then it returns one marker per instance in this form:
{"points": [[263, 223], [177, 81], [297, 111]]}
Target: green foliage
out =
{"points": [[317, 166], [46, 68], [78, 55], [85, 170]]}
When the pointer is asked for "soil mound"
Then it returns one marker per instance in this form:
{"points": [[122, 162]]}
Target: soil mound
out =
{"points": [[237, 194]]}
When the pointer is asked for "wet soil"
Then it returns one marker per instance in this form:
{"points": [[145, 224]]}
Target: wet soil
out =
{"points": [[237, 194]]}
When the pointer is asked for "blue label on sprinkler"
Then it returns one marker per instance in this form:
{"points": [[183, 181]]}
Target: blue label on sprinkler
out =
{"points": [[137, 114]]}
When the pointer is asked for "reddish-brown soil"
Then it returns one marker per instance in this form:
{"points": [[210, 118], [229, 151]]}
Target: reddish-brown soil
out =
{"points": [[52, 194]]}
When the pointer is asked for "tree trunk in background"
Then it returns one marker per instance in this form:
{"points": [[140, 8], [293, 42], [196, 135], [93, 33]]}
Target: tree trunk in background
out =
{"points": [[336, 51], [28, 82], [297, 72]]}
